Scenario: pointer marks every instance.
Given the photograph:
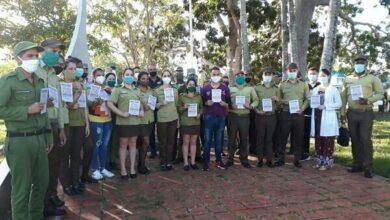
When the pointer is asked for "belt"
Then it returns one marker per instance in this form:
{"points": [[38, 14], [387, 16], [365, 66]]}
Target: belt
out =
{"points": [[28, 133], [361, 110], [266, 114]]}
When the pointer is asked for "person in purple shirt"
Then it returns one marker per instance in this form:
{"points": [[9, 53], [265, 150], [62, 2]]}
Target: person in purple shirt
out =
{"points": [[214, 117]]}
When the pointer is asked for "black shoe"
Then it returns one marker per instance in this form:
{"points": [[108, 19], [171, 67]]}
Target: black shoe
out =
{"points": [[269, 164], [88, 180], [194, 166], [206, 167], [368, 173], [124, 177], [163, 167], [305, 157], [178, 160], [279, 163], [229, 163], [145, 171], [56, 202], [186, 167], [355, 169], [152, 155], [69, 191], [259, 163], [53, 211], [246, 165], [297, 164], [78, 189], [133, 176], [169, 167]]}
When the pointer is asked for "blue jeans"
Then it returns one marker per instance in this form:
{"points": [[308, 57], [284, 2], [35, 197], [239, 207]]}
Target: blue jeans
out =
{"points": [[213, 127], [101, 133]]}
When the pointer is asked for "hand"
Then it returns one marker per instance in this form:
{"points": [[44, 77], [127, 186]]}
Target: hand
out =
{"points": [[260, 112], [77, 87], [50, 103], [248, 106], [141, 114], [49, 148], [35, 108], [165, 103], [125, 114], [146, 108], [62, 137], [363, 101], [209, 102], [275, 98], [198, 116], [234, 107], [321, 107], [343, 119], [75, 106], [223, 104], [87, 131]]}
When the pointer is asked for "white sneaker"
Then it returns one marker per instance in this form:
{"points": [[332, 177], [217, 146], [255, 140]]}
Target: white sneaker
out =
{"points": [[106, 173], [97, 175]]}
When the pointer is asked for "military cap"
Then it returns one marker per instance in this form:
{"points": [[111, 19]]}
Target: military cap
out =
{"points": [[360, 57], [179, 69], [26, 45], [51, 42], [268, 70]]}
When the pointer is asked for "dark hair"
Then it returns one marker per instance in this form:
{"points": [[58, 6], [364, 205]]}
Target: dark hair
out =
{"points": [[292, 66], [225, 77], [192, 79], [215, 68], [96, 70], [128, 68], [68, 61], [109, 74], [141, 74], [326, 71], [170, 73], [313, 68], [74, 60], [136, 67]]}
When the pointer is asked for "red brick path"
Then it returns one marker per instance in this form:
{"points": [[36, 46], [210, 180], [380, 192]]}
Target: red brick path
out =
{"points": [[236, 193]]}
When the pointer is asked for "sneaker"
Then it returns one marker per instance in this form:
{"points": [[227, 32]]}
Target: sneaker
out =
{"points": [[106, 173], [206, 167], [169, 167], [316, 166], [220, 165], [97, 175], [269, 164]]}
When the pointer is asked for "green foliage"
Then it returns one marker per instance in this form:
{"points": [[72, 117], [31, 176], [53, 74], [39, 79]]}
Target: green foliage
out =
{"points": [[7, 67]]}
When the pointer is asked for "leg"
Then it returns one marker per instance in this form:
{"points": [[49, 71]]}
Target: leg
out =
{"points": [[142, 151], [232, 132], [297, 135], [133, 153], [107, 127], [64, 160], [152, 140], [171, 139], [207, 138], [243, 129], [186, 142], [285, 126], [54, 165], [162, 131], [193, 140], [260, 129], [97, 137], [78, 135], [306, 136], [269, 132], [366, 139], [219, 128], [87, 145], [354, 123], [123, 143]]}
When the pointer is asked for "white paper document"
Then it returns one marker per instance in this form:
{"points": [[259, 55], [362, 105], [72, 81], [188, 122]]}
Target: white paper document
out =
{"points": [[94, 92], [267, 105], [152, 101], [134, 107], [66, 92], [240, 102], [315, 101], [43, 99], [356, 92], [83, 100], [103, 95], [216, 95], [169, 95], [53, 94], [294, 106], [192, 110]]}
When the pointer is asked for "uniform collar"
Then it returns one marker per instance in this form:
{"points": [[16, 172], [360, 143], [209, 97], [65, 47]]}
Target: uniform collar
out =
{"points": [[21, 76]]}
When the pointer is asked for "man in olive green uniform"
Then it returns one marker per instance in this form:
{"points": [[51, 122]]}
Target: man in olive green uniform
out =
{"points": [[293, 94], [46, 72], [29, 136], [360, 91]]}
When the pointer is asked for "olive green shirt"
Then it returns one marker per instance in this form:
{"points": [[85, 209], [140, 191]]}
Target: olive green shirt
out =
{"points": [[168, 112], [148, 115], [77, 117], [184, 99], [50, 78], [121, 96], [294, 91], [250, 97], [371, 87], [264, 92], [16, 95]]}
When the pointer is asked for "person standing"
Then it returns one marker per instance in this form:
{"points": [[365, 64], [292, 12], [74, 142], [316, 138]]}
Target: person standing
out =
{"points": [[266, 120], [361, 90], [181, 88], [293, 94], [244, 99], [324, 121], [216, 98], [29, 137]]}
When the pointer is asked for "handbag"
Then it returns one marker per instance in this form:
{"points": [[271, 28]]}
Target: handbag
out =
{"points": [[343, 138]]}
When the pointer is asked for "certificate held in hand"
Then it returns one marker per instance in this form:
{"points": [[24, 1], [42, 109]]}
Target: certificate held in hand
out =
{"points": [[315, 101], [94, 92], [192, 110], [267, 105], [53, 94], [152, 101], [240, 102], [83, 100], [134, 107], [356, 92], [44, 98], [169, 95], [293, 106], [66, 92], [216, 95]]}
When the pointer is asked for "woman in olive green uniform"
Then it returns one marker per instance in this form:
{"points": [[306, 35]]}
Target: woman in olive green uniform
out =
{"points": [[167, 116], [128, 126], [190, 109]]}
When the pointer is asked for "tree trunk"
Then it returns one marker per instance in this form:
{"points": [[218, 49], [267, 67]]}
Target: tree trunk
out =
{"points": [[329, 42], [233, 50], [284, 34], [293, 32], [244, 37]]}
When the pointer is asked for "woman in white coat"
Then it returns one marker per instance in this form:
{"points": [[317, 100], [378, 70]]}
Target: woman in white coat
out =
{"points": [[325, 100]]}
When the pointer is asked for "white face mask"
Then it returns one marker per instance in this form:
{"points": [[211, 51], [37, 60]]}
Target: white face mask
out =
{"points": [[267, 79], [136, 76], [215, 79], [29, 66], [312, 78], [323, 80], [166, 80], [100, 80], [292, 75]]}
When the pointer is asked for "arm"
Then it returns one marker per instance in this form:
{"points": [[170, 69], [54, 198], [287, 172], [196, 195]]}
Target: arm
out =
{"points": [[378, 91], [344, 100], [254, 98], [12, 113], [86, 113], [306, 94], [336, 102]]}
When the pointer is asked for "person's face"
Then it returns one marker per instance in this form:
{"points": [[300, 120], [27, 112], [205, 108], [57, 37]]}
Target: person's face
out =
{"points": [[80, 65], [31, 54], [240, 74], [191, 84], [312, 72], [128, 73], [152, 68], [225, 80], [166, 74], [136, 70], [53, 49], [215, 73], [276, 79], [144, 78], [360, 62], [99, 73], [322, 74], [110, 77], [61, 63], [267, 74], [71, 67], [291, 70]]}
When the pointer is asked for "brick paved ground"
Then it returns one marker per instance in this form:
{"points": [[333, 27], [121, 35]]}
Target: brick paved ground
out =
{"points": [[237, 193]]}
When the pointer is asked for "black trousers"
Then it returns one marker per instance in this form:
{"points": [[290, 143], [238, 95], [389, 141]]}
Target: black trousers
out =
{"points": [[265, 127], [292, 124]]}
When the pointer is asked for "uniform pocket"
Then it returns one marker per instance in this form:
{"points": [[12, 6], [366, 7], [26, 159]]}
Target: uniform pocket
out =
{"points": [[23, 95]]}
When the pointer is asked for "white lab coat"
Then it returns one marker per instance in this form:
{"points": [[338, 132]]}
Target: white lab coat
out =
{"points": [[329, 122]]}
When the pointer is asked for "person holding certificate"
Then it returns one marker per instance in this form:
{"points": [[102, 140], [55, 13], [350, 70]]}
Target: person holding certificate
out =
{"points": [[190, 109], [244, 99], [266, 120], [125, 103], [293, 94], [148, 101], [325, 101], [167, 117], [360, 92]]}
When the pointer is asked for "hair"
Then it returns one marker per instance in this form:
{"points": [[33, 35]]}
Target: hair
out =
{"points": [[96, 70], [292, 66], [136, 67], [326, 71], [141, 74], [74, 59], [68, 61], [215, 68], [225, 77], [240, 72], [162, 72], [313, 68], [128, 68], [109, 74], [193, 80]]}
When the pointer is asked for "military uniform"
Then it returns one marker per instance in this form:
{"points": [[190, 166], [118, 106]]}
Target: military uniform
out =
{"points": [[28, 136]]}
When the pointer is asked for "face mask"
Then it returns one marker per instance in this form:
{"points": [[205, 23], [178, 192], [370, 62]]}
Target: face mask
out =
{"points": [[79, 72], [240, 80], [215, 79], [323, 80], [128, 79], [58, 69], [312, 78], [110, 83], [29, 66], [191, 89], [144, 83], [248, 80], [292, 75], [166, 80], [100, 80], [359, 68], [267, 79], [153, 74], [50, 58]]}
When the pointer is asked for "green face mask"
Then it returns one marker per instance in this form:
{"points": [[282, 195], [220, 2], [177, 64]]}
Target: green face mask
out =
{"points": [[240, 80], [110, 83], [191, 89], [50, 58]]}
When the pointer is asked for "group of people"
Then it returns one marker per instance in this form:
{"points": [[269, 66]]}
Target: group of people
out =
{"points": [[52, 113]]}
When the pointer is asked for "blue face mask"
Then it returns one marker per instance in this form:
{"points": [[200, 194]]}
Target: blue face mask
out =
{"points": [[240, 80], [79, 72], [128, 79], [359, 68]]}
